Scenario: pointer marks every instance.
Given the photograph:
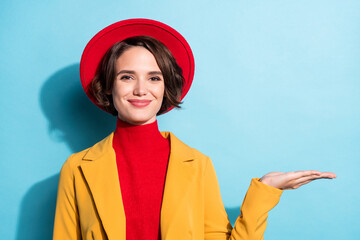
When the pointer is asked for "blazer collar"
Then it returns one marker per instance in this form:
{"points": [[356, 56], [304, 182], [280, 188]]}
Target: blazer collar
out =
{"points": [[100, 171]]}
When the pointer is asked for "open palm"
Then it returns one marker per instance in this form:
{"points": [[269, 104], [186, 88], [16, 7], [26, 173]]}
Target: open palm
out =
{"points": [[293, 180]]}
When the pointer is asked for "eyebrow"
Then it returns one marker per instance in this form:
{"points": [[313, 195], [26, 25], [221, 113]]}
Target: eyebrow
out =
{"points": [[133, 72]]}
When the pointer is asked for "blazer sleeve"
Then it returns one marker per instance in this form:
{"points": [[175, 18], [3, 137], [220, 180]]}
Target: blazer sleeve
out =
{"points": [[251, 223], [66, 225]]}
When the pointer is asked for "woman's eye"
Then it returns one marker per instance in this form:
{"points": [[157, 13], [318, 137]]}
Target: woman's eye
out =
{"points": [[155, 78], [125, 77]]}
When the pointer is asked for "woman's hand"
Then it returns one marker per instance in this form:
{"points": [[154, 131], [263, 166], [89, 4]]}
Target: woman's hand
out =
{"points": [[293, 180]]}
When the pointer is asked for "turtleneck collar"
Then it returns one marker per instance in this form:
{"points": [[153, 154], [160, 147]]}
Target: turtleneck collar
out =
{"points": [[129, 138]]}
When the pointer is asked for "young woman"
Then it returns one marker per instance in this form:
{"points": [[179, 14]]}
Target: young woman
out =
{"points": [[139, 183]]}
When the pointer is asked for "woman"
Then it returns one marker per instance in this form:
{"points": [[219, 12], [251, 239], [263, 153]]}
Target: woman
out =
{"points": [[139, 183]]}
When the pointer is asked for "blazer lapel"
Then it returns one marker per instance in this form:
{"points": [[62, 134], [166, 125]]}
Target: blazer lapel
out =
{"points": [[179, 176], [100, 171]]}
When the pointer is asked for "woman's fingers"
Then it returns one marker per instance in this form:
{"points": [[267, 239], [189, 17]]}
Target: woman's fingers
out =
{"points": [[295, 179], [313, 176], [300, 174], [328, 175], [306, 179]]}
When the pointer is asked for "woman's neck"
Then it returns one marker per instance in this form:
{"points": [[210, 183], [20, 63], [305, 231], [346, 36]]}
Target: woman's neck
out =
{"points": [[137, 137]]}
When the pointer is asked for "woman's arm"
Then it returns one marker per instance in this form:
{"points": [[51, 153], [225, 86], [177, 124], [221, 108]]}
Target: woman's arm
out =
{"points": [[251, 223], [66, 224]]}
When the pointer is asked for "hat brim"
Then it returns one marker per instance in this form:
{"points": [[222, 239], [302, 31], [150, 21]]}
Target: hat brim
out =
{"points": [[106, 38]]}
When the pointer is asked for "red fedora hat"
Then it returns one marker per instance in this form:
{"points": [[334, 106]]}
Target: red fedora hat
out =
{"points": [[103, 40]]}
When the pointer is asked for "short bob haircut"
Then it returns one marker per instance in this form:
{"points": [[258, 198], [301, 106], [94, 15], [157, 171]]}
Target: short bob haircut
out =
{"points": [[103, 82]]}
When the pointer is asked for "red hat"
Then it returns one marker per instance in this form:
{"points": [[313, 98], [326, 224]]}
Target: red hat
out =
{"points": [[106, 38]]}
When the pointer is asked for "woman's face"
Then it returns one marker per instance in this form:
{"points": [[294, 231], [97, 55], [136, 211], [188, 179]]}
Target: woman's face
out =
{"points": [[138, 87]]}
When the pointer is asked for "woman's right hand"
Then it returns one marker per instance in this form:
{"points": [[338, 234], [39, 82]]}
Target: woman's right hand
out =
{"points": [[294, 180]]}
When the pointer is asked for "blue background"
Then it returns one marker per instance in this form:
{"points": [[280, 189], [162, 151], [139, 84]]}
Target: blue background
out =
{"points": [[276, 88]]}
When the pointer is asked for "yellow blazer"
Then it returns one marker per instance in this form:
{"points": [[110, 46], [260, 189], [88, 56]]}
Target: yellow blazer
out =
{"points": [[89, 204]]}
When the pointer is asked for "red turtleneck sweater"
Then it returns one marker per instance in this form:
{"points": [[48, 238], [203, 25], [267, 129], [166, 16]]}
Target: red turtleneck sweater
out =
{"points": [[142, 155]]}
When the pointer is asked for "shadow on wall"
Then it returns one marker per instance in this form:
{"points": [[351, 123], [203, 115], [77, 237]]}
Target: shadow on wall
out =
{"points": [[37, 211], [74, 120], [72, 117]]}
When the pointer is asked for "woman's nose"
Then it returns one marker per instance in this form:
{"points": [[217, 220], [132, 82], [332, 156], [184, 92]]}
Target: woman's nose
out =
{"points": [[140, 88]]}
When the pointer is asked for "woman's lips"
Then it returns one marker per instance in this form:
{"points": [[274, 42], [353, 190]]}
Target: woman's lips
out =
{"points": [[139, 103]]}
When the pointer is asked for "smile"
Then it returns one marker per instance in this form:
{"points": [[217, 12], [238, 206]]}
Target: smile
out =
{"points": [[139, 103]]}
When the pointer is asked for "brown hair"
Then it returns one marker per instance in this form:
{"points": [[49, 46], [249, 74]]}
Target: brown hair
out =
{"points": [[102, 84]]}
